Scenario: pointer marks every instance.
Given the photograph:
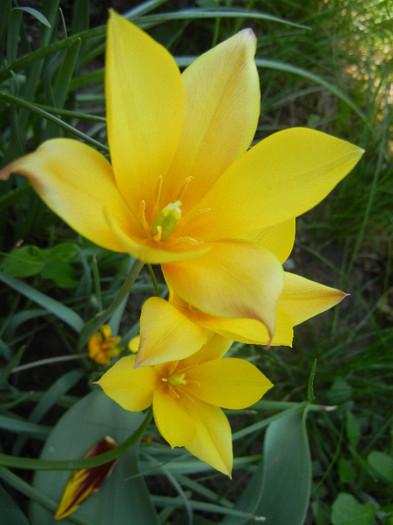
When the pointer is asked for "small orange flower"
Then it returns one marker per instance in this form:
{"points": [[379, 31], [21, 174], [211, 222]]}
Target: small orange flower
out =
{"points": [[102, 346]]}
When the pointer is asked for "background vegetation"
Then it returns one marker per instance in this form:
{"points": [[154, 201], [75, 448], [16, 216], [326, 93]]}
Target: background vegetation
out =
{"points": [[326, 64]]}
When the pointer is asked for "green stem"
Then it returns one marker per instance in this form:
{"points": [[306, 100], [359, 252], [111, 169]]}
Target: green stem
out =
{"points": [[95, 324], [74, 464], [48, 361], [154, 280]]}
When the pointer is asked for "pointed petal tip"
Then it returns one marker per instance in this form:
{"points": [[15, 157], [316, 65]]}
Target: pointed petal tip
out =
{"points": [[248, 33], [8, 170], [138, 362]]}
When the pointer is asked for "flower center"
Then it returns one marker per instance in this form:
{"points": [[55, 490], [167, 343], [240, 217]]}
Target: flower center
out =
{"points": [[175, 379], [166, 221]]}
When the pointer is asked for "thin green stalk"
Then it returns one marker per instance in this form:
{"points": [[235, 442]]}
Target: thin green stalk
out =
{"points": [[154, 280], [48, 361], [97, 282], [95, 324], [74, 464]]}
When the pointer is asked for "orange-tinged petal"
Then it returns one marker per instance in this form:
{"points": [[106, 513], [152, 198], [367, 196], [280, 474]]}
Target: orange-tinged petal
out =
{"points": [[85, 482], [166, 334], [278, 238], [249, 331], [222, 105], [145, 108], [302, 298], [77, 183], [213, 439], [131, 388], [234, 279], [172, 420], [228, 383], [280, 178]]}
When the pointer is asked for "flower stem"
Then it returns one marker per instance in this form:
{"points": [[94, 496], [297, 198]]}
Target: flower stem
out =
{"points": [[97, 321], [154, 280]]}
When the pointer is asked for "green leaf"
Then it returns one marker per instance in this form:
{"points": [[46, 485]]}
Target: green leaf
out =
{"points": [[59, 310], [33, 12], [346, 471], [62, 273], [124, 497], [20, 425], [24, 262], [286, 471], [65, 72], [64, 251], [280, 487], [348, 511], [352, 429], [9, 510], [382, 465]]}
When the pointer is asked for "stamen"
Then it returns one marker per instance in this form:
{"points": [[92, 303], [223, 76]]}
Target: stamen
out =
{"points": [[173, 392], [158, 190], [142, 214], [158, 235], [184, 187], [191, 240]]}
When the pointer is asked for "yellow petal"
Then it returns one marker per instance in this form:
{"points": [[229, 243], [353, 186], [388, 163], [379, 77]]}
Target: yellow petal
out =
{"points": [[131, 388], [280, 178], [172, 420], [278, 238], [166, 334], [213, 439], [215, 348], [249, 331], [234, 279], [145, 108], [77, 183], [85, 482], [302, 298], [227, 383], [222, 105]]}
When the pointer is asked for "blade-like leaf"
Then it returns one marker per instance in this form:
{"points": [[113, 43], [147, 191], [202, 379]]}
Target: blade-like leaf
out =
{"points": [[280, 487], [287, 471], [54, 307], [123, 498], [37, 15], [9, 510]]}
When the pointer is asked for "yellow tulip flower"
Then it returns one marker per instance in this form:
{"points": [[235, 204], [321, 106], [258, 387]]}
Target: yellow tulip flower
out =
{"points": [[182, 189], [187, 395]]}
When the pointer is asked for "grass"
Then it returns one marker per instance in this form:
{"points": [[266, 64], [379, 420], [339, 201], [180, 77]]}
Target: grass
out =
{"points": [[330, 69]]}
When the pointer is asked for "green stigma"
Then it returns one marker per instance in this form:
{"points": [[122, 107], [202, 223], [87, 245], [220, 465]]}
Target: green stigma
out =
{"points": [[166, 221], [177, 379]]}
